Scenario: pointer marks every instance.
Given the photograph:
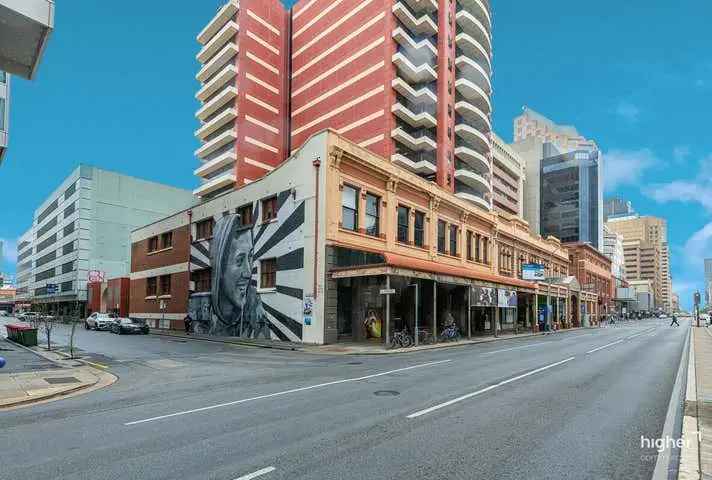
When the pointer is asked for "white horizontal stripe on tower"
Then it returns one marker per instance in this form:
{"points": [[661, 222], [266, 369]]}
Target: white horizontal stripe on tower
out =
{"points": [[261, 124], [340, 43], [257, 143], [261, 165], [303, 9], [360, 122], [318, 17], [371, 141], [338, 88], [342, 108], [262, 104], [338, 66], [331, 28], [262, 21], [259, 61], [262, 83], [257, 39]]}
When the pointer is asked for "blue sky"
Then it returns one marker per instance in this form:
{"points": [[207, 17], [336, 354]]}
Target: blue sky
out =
{"points": [[116, 86]]}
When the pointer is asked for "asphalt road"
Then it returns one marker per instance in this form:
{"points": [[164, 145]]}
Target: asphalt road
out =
{"points": [[570, 405]]}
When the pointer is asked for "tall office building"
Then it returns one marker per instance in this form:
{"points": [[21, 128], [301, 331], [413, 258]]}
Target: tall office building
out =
{"points": [[507, 178], [708, 280], [616, 207], [647, 253], [613, 249], [407, 79], [531, 124]]}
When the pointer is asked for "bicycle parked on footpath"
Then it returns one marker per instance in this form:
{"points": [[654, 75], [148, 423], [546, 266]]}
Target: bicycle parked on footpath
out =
{"points": [[450, 334], [401, 339]]}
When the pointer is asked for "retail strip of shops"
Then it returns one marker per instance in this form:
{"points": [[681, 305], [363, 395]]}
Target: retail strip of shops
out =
{"points": [[337, 245]]}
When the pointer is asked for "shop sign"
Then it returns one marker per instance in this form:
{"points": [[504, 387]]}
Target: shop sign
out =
{"points": [[507, 298], [95, 276], [533, 271], [388, 291], [483, 297]]}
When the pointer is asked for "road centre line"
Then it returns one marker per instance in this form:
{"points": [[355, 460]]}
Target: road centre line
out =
{"points": [[515, 348], [641, 333], [487, 389], [287, 392], [606, 346], [256, 474]]}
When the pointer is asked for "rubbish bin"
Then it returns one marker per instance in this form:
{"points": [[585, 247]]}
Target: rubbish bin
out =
{"points": [[22, 333]]}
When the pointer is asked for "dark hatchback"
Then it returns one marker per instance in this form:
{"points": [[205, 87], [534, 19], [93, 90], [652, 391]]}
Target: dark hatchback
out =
{"points": [[129, 325]]}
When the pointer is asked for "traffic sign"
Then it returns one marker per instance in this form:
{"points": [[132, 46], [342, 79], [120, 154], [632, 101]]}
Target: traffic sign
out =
{"points": [[51, 288]]}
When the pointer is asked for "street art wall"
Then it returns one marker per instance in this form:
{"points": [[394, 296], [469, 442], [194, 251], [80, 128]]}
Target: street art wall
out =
{"points": [[238, 304]]}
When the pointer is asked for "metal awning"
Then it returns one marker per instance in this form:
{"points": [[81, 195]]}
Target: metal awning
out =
{"points": [[25, 26]]}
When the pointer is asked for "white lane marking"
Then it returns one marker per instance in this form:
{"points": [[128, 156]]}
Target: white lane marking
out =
{"points": [[286, 392], [487, 389], [606, 346], [641, 333], [515, 348], [256, 474]]}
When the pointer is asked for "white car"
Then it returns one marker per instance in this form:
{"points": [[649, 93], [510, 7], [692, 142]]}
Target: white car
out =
{"points": [[99, 321]]}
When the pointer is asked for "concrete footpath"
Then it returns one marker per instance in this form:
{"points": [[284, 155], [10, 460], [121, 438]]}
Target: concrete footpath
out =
{"points": [[32, 375]]}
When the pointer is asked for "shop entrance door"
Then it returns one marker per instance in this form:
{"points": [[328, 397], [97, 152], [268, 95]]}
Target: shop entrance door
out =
{"points": [[343, 311]]}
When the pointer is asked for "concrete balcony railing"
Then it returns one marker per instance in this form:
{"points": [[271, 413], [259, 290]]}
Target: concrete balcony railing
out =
{"points": [[415, 143], [421, 167], [216, 123], [216, 143], [226, 13], [474, 137], [474, 94], [422, 95], [475, 199], [220, 80], [473, 179], [217, 102], [222, 181], [422, 73], [479, 9], [221, 161], [226, 34], [473, 116], [217, 62], [475, 159], [423, 25], [469, 69], [416, 120], [424, 49], [472, 47], [471, 25], [422, 5]]}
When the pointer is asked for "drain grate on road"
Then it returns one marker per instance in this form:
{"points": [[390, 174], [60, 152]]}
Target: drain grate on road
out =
{"points": [[61, 380], [386, 393]]}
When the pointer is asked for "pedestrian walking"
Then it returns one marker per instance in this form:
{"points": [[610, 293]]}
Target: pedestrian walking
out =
{"points": [[674, 320], [188, 322]]}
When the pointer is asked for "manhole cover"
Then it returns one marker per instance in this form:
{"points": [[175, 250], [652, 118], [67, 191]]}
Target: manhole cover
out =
{"points": [[61, 380], [386, 393], [355, 363]]}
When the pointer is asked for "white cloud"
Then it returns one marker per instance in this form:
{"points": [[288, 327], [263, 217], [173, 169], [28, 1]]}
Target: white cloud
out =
{"points": [[682, 191], [9, 251], [680, 153], [626, 167], [627, 111]]}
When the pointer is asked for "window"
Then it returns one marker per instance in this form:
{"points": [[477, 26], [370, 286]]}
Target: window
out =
{"points": [[70, 190], [245, 213], [66, 286], [167, 240], [403, 223], [441, 236], [269, 209], [469, 245], [478, 248], [68, 248], [419, 230], [268, 273], [204, 229], [152, 244], [453, 240], [373, 206], [2, 114], [69, 210], [151, 286], [202, 279], [485, 250], [165, 284], [68, 267], [349, 208], [68, 229]]}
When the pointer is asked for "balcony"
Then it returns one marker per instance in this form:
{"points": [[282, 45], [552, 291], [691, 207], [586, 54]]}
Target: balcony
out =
{"points": [[226, 13], [423, 5], [217, 62], [423, 95], [474, 137], [227, 33], [414, 115], [220, 120], [471, 47], [416, 142], [473, 116], [217, 142], [227, 179], [422, 73], [475, 159], [473, 179], [217, 82], [25, 27], [473, 198], [474, 94], [421, 167], [423, 25], [216, 103], [480, 10], [216, 163], [423, 49], [473, 71], [469, 24]]}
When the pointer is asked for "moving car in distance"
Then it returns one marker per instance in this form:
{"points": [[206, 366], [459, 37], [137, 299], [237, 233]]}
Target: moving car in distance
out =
{"points": [[129, 325], [99, 321]]}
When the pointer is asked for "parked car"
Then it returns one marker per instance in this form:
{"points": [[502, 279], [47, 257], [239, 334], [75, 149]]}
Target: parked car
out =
{"points": [[27, 315], [129, 325], [99, 321]]}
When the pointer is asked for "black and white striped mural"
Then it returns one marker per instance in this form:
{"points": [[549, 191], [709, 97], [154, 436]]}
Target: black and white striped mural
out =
{"points": [[237, 305]]}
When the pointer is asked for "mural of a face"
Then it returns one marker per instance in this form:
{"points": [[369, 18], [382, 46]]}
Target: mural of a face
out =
{"points": [[237, 270]]}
